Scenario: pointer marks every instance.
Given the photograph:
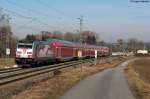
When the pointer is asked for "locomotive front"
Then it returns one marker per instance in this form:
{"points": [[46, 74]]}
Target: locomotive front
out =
{"points": [[24, 53]]}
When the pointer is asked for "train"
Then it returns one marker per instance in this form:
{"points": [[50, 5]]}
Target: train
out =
{"points": [[49, 51]]}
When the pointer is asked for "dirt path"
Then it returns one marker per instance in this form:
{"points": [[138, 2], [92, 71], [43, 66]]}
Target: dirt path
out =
{"points": [[109, 84]]}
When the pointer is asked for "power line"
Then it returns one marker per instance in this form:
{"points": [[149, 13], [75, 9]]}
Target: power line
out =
{"points": [[27, 9], [56, 10], [41, 3], [17, 14], [26, 17], [30, 10], [36, 12], [22, 26]]}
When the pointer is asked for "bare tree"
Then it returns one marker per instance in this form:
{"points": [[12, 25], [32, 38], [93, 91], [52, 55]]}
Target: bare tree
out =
{"points": [[121, 45], [69, 36], [5, 35], [141, 45], [89, 37], [102, 43], [132, 44]]}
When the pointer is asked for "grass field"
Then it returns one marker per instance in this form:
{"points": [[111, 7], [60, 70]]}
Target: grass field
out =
{"points": [[138, 74], [6, 62], [142, 67]]}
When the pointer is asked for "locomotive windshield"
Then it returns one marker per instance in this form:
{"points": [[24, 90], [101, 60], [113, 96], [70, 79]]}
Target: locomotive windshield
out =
{"points": [[27, 46]]}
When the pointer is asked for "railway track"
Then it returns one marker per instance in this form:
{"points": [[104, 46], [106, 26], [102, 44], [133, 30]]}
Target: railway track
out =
{"points": [[15, 74], [9, 70]]}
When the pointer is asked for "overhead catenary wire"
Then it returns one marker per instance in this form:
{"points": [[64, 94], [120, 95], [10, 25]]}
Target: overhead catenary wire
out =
{"points": [[16, 14], [28, 9], [29, 18], [36, 12], [54, 9], [62, 13], [22, 26], [32, 11]]}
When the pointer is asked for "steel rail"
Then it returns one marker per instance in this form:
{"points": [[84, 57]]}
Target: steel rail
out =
{"points": [[10, 70], [22, 72], [22, 76], [3, 71]]}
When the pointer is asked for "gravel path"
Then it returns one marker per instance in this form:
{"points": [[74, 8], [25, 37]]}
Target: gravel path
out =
{"points": [[109, 84]]}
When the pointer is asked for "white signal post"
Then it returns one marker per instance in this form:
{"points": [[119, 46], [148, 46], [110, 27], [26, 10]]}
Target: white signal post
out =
{"points": [[95, 57]]}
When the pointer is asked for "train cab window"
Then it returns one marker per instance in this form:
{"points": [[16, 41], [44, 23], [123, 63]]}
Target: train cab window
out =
{"points": [[24, 46]]}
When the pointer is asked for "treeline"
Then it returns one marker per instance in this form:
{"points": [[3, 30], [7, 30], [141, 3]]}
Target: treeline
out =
{"points": [[129, 45], [86, 37]]}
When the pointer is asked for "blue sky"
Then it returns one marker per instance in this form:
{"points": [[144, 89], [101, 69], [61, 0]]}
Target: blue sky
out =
{"points": [[111, 19]]}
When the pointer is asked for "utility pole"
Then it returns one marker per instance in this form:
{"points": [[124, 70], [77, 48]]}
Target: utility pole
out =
{"points": [[80, 37], [81, 27]]}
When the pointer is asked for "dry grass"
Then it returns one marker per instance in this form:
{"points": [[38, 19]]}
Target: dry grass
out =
{"points": [[142, 67], [6, 62], [55, 87], [138, 73]]}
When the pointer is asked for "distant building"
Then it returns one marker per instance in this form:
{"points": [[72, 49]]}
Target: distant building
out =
{"points": [[142, 52]]}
